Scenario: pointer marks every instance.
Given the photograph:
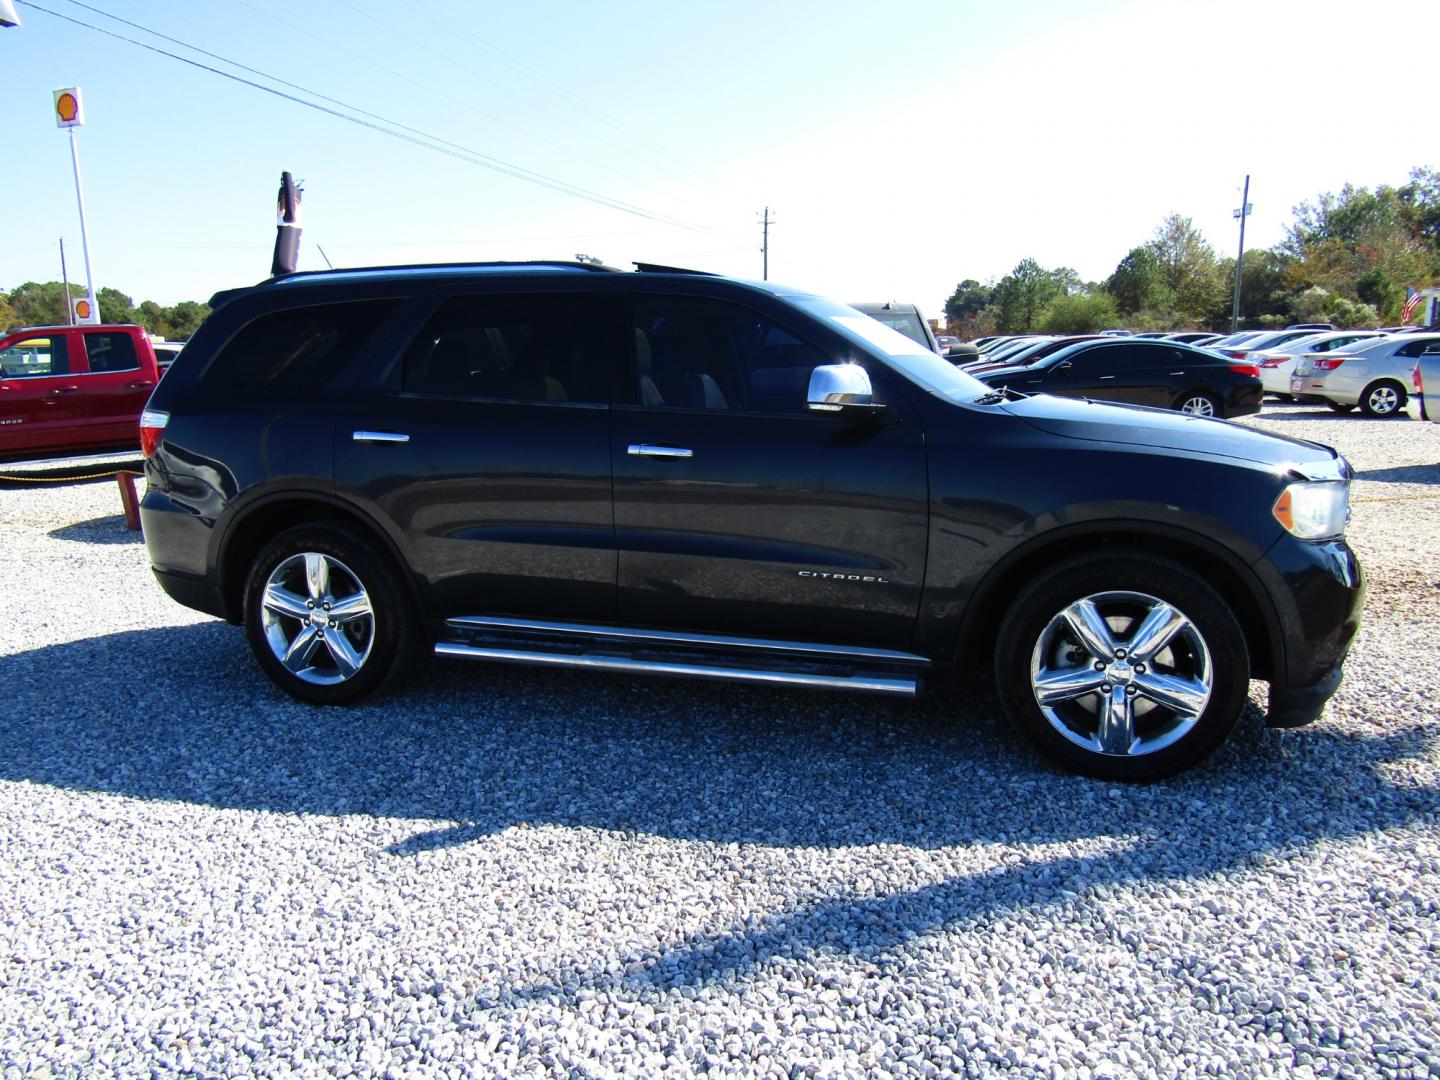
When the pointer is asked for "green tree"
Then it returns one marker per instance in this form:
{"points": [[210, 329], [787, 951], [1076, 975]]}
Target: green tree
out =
{"points": [[115, 306], [1136, 283], [39, 304], [8, 315], [185, 318], [1024, 293], [1079, 314], [968, 300], [1188, 267]]}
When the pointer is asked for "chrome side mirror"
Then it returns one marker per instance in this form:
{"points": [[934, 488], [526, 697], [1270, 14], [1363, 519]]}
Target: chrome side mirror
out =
{"points": [[841, 388]]}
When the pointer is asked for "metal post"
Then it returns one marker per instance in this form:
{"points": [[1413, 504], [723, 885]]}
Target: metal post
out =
{"points": [[84, 232], [765, 246], [65, 280], [1242, 214]]}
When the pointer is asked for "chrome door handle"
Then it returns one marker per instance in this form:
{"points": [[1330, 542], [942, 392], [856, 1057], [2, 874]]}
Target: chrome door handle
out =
{"points": [[1104, 377], [647, 450], [1177, 373], [380, 436]]}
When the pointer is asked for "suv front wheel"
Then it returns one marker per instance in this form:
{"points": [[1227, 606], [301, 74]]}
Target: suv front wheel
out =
{"points": [[326, 616], [1125, 666]]}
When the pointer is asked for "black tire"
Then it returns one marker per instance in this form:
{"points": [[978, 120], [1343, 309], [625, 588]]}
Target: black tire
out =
{"points": [[1337, 406], [1037, 644], [1382, 398], [357, 578], [1199, 403], [1283, 397]]}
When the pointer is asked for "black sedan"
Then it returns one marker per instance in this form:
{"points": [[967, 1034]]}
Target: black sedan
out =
{"points": [[1164, 374]]}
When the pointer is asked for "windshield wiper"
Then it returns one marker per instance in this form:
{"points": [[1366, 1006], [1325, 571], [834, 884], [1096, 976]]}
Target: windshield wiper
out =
{"points": [[995, 397]]}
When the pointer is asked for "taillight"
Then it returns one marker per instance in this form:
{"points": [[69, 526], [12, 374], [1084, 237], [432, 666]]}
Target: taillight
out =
{"points": [[1273, 361], [1252, 370], [152, 428], [1415, 380], [1328, 363]]}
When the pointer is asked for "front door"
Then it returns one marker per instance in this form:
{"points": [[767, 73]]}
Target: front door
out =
{"points": [[737, 510], [39, 395], [487, 450]]}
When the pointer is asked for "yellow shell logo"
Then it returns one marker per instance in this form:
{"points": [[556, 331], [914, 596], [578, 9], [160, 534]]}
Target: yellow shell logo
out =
{"points": [[66, 107], [82, 309]]}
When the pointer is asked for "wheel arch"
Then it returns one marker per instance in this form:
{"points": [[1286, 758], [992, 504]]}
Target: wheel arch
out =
{"points": [[272, 514], [1234, 581]]}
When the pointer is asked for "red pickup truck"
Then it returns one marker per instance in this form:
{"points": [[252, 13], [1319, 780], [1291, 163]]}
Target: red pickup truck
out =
{"points": [[73, 389]]}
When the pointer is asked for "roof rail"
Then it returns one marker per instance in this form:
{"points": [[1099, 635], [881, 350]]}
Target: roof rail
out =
{"points": [[560, 263], [658, 268]]}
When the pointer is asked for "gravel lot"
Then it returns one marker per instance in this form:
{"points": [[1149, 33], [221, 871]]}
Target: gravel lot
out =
{"points": [[512, 871]]}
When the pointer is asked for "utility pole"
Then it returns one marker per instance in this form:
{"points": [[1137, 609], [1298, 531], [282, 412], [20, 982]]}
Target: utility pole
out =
{"points": [[1242, 214], [765, 245]]}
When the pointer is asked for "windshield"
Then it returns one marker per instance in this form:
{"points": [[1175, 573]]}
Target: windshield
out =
{"points": [[913, 360]]}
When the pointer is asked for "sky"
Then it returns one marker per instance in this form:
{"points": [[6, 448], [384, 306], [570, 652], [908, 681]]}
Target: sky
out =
{"points": [[900, 148]]}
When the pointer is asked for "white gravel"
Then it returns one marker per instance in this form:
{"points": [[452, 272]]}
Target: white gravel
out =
{"points": [[522, 873]]}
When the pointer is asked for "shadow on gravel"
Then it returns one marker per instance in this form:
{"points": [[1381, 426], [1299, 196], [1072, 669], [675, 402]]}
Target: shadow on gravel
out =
{"points": [[1403, 474], [182, 713], [101, 530]]}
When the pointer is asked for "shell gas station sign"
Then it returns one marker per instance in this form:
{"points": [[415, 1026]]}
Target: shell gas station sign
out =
{"points": [[69, 108]]}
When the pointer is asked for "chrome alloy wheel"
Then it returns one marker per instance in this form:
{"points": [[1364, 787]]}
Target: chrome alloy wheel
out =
{"points": [[1121, 673], [317, 618], [1198, 405], [1382, 401]]}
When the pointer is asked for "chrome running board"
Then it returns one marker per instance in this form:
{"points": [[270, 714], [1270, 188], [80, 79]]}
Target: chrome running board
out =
{"points": [[686, 655]]}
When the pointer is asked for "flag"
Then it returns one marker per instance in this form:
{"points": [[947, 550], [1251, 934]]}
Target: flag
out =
{"points": [[1412, 301]]}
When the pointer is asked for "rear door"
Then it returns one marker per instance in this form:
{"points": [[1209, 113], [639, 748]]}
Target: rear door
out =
{"points": [[114, 392], [39, 394], [487, 450], [739, 511]]}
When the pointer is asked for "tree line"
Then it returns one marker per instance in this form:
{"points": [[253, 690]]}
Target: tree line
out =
{"points": [[1346, 259], [43, 304]]}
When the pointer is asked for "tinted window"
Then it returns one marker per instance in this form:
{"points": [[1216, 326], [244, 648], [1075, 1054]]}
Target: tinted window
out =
{"points": [[298, 347], [517, 348], [32, 357], [1105, 358], [111, 352], [706, 354]]}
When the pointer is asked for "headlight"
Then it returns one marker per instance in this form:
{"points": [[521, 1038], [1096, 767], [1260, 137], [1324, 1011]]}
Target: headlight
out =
{"points": [[1314, 509]]}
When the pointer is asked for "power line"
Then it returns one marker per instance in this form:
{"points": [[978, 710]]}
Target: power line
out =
{"points": [[384, 127]]}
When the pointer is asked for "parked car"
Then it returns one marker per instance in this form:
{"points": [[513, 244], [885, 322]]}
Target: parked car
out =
{"points": [[73, 389], [946, 341], [1163, 374], [999, 352], [1373, 374], [166, 352], [1194, 337], [1029, 354], [1422, 405], [1272, 340], [1235, 339], [683, 474], [905, 318], [1277, 364]]}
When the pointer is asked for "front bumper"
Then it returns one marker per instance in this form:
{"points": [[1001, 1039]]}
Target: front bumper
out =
{"points": [[1318, 593]]}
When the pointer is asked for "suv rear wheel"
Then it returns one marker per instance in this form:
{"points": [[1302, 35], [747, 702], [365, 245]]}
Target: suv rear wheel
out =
{"points": [[326, 616], [1125, 666]]}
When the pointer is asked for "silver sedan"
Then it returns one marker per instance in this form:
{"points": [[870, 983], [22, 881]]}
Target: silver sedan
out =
{"points": [[1374, 375]]}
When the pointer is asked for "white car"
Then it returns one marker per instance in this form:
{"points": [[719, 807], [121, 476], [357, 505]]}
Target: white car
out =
{"points": [[1423, 405], [1374, 375], [1278, 364]]}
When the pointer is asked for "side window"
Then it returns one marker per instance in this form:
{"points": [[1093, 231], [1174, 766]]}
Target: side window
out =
{"points": [[111, 352], [1414, 348], [709, 354], [1097, 361], [296, 348], [34, 357], [555, 347]]}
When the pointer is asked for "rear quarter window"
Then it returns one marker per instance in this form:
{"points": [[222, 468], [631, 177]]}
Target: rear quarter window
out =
{"points": [[296, 348]]}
